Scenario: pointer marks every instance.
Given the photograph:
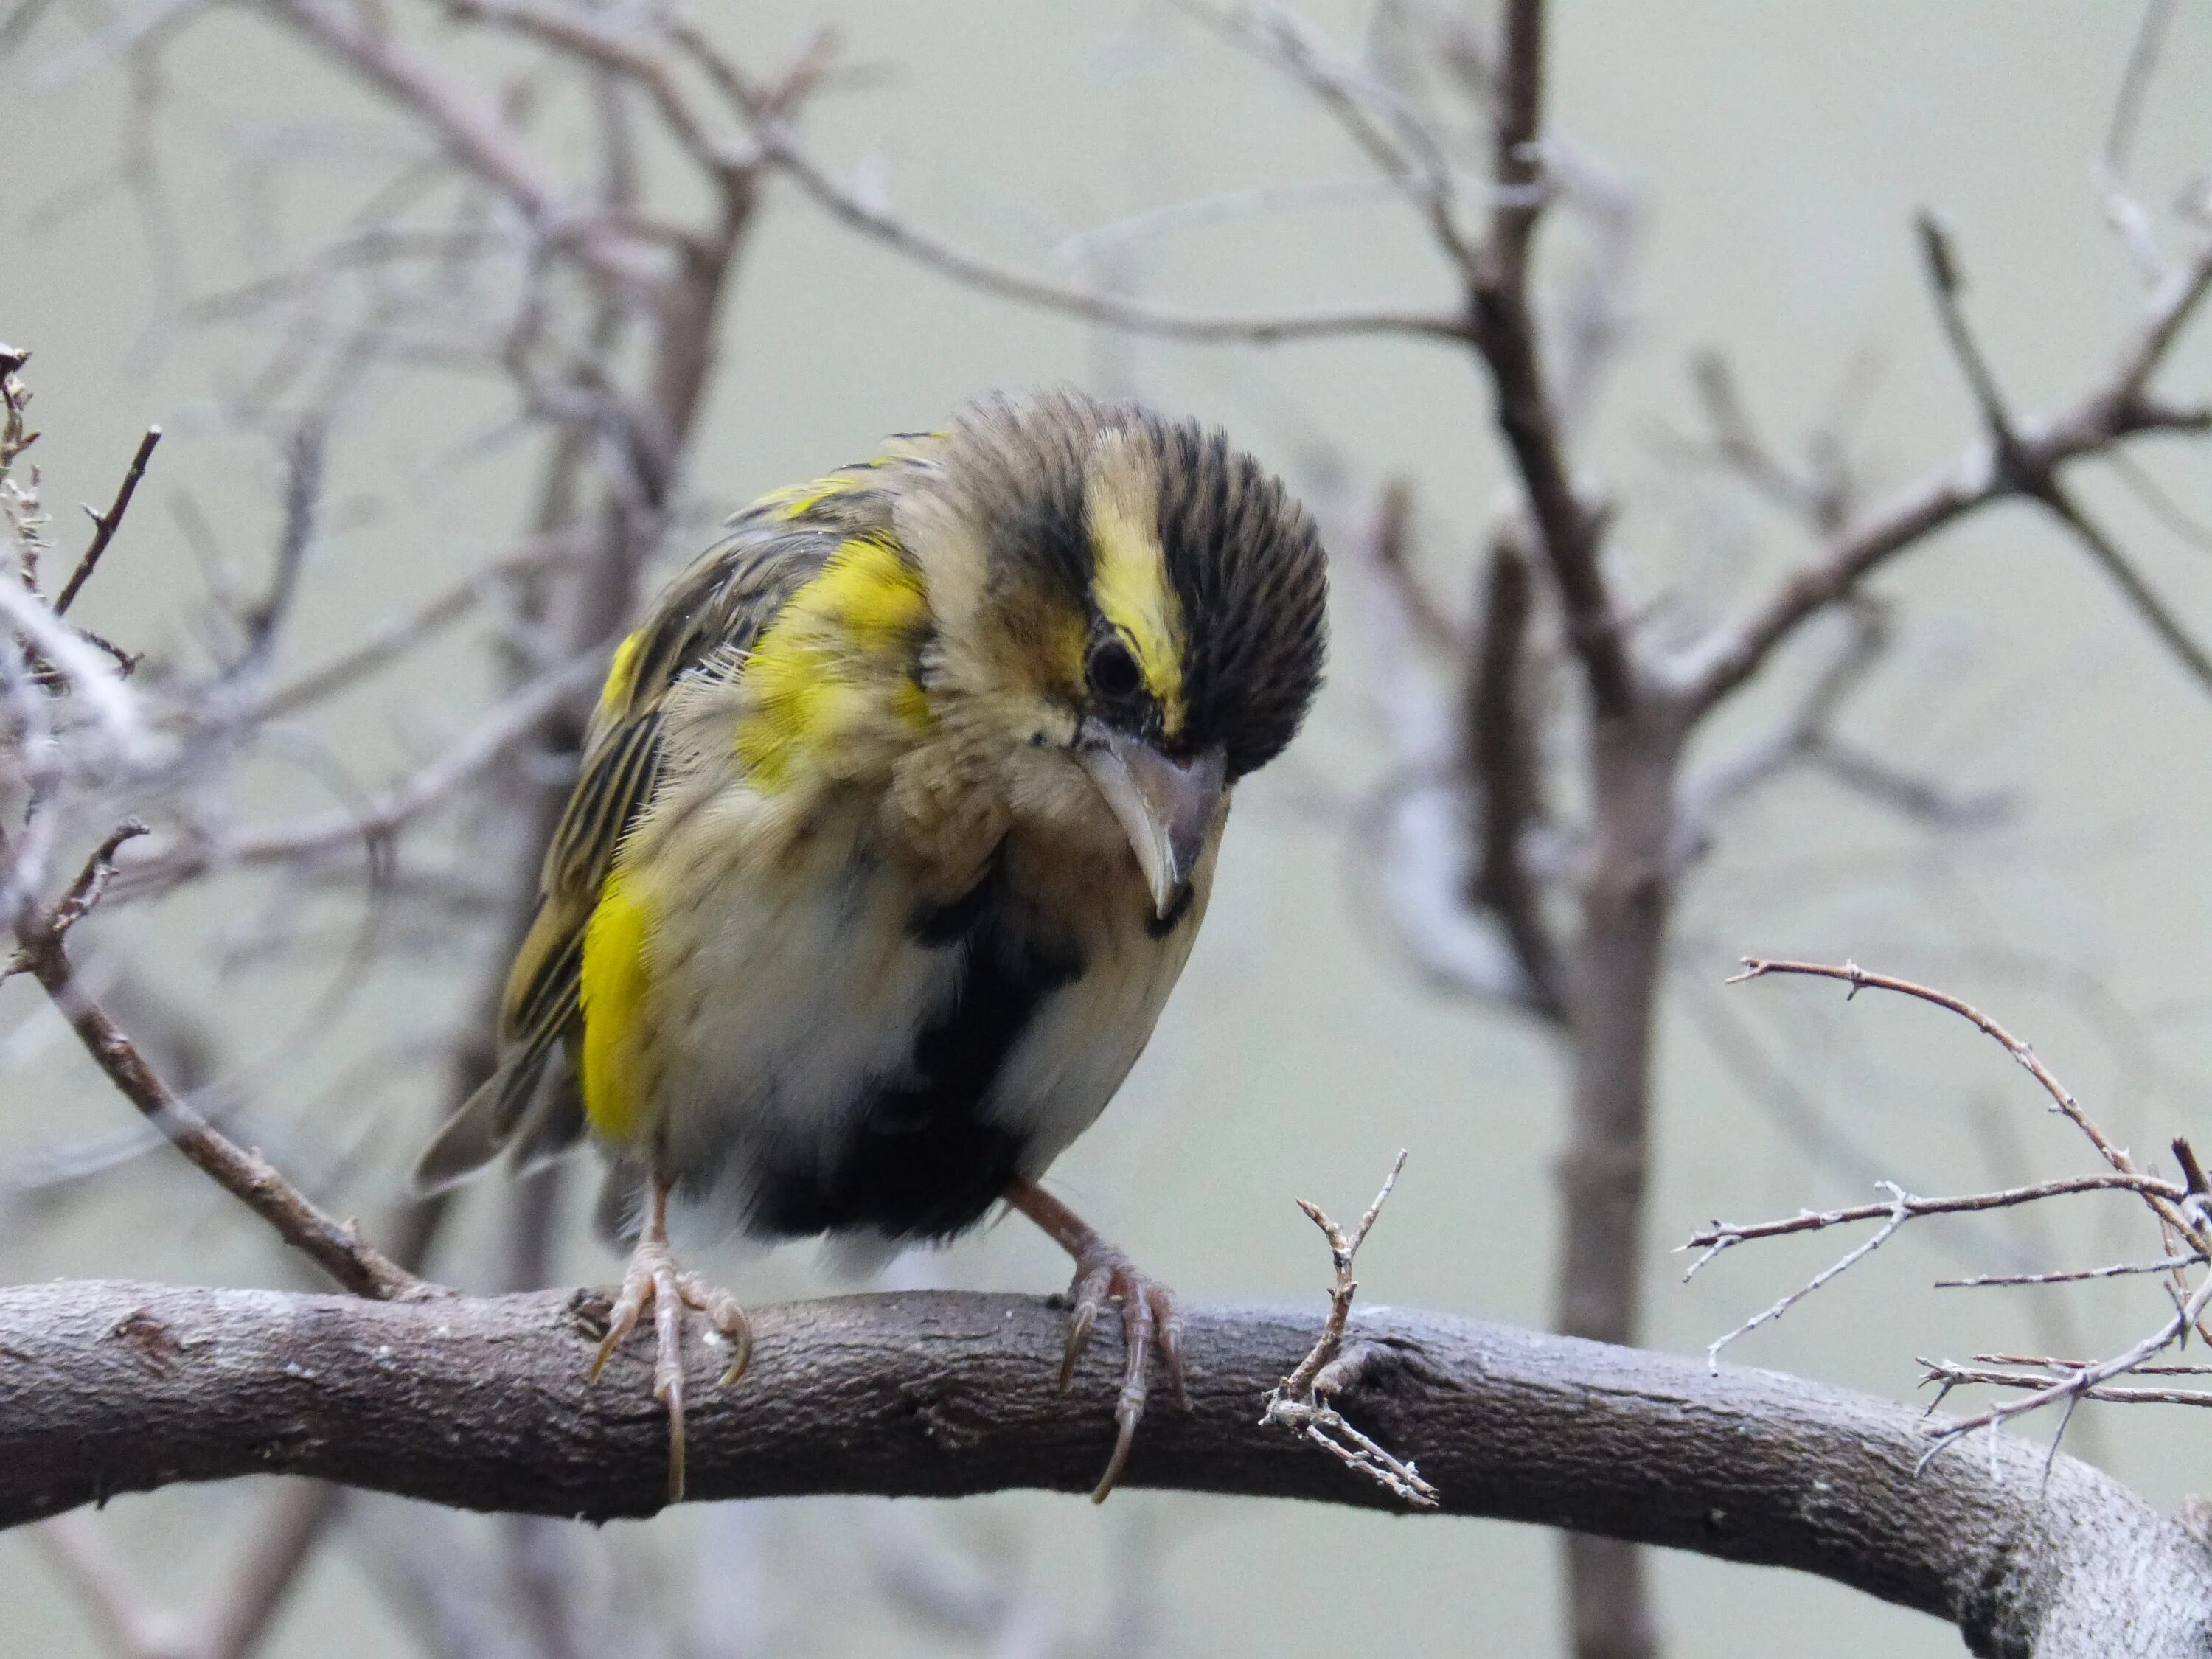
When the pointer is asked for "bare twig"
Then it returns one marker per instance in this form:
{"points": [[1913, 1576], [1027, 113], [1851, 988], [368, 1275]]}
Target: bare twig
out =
{"points": [[2079, 1383], [2072, 1276], [1720, 1235], [2163, 1196], [105, 524], [1303, 1402], [1900, 1210], [1950, 1375]]}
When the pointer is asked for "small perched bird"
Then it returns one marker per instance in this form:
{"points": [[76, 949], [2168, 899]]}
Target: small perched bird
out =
{"points": [[896, 820]]}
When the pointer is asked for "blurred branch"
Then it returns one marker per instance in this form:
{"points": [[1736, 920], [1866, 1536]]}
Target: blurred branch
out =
{"points": [[483, 1403], [1806, 738], [404, 634], [509, 725], [879, 224], [334, 1246], [2042, 485], [1502, 769], [474, 131], [1504, 330], [2029, 460]]}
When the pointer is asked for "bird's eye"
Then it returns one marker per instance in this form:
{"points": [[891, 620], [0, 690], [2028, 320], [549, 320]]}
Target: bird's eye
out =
{"points": [[1113, 670]]}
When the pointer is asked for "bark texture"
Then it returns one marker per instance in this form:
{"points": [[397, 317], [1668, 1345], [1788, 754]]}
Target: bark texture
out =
{"points": [[108, 1388]]}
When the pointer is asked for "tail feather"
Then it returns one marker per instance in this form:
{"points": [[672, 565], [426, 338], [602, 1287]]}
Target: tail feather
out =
{"points": [[485, 1123], [554, 1123]]}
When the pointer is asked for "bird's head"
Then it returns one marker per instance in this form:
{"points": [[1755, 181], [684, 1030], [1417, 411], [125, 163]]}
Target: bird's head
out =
{"points": [[1127, 613]]}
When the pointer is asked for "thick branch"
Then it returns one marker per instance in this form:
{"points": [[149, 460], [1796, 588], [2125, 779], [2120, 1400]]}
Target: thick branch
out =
{"points": [[109, 1387]]}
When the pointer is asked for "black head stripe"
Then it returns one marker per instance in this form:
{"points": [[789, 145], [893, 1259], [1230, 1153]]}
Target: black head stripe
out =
{"points": [[1247, 562], [1243, 558]]}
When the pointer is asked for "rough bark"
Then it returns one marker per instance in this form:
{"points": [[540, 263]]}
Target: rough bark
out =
{"points": [[482, 1403]]}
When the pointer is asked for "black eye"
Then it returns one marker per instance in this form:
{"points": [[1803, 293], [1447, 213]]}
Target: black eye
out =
{"points": [[1113, 670]]}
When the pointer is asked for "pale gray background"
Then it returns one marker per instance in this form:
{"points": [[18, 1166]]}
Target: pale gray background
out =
{"points": [[1782, 149]]}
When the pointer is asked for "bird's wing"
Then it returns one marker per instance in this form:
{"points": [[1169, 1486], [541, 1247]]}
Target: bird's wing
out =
{"points": [[711, 614]]}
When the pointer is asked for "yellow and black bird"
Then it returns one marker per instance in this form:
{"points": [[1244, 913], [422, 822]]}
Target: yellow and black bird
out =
{"points": [[896, 822]]}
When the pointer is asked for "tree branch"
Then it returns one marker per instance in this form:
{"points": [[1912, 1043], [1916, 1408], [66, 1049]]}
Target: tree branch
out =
{"points": [[333, 1245], [105, 524], [1504, 330], [2109, 415], [1501, 764], [850, 208], [112, 1387]]}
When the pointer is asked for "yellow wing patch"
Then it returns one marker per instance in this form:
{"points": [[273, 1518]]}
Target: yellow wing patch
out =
{"points": [[840, 651], [622, 676], [615, 977], [1129, 583]]}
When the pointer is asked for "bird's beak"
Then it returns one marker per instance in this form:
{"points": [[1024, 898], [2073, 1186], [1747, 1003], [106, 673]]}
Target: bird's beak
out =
{"points": [[1165, 806]]}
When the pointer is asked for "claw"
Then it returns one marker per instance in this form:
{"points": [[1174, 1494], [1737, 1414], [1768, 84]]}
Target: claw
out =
{"points": [[1089, 1292], [654, 1277], [724, 1314], [1149, 1318]]}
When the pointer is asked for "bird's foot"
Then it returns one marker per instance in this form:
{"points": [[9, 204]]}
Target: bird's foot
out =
{"points": [[1149, 1316], [652, 1280]]}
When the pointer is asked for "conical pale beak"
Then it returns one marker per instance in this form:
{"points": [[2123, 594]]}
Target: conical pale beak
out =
{"points": [[1165, 806]]}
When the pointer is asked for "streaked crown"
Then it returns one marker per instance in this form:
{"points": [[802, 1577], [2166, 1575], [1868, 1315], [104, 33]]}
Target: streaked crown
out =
{"points": [[1196, 582]]}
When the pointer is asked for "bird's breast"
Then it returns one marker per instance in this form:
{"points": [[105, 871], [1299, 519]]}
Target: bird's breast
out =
{"points": [[843, 1045]]}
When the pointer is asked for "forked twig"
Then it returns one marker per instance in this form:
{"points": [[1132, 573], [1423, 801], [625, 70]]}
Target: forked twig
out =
{"points": [[1301, 1402]]}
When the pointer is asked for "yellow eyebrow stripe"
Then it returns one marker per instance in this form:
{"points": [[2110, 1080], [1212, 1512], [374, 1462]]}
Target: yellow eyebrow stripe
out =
{"points": [[1130, 586]]}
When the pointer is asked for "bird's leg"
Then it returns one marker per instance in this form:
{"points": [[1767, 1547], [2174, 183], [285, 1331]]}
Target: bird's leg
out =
{"points": [[654, 1277], [1103, 1273]]}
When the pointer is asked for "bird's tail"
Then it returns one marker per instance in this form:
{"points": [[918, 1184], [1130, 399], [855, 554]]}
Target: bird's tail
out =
{"points": [[509, 1109]]}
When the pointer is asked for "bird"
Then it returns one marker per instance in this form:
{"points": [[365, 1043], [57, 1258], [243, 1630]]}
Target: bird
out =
{"points": [[895, 820]]}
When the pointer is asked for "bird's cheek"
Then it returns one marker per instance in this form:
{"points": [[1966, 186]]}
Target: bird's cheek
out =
{"points": [[1050, 791]]}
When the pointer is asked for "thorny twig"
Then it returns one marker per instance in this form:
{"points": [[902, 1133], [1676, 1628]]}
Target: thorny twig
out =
{"points": [[2179, 1208], [105, 524], [1302, 1401]]}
